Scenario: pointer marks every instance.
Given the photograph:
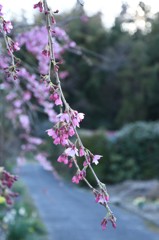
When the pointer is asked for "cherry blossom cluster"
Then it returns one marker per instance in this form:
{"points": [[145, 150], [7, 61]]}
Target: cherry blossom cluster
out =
{"points": [[6, 182], [47, 44], [111, 219], [37, 44], [27, 94], [64, 132], [6, 179], [12, 46]]}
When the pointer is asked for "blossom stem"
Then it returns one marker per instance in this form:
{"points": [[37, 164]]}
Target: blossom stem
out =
{"points": [[102, 186], [52, 57], [7, 46]]}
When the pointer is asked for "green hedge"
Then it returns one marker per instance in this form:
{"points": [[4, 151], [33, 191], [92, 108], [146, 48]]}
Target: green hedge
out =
{"points": [[112, 168], [140, 141], [133, 153]]}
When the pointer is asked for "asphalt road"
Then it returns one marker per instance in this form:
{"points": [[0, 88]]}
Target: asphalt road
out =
{"points": [[70, 213]]}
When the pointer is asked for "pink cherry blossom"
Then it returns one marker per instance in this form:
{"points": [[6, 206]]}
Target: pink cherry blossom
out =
{"points": [[75, 179], [104, 223], [101, 198], [71, 131], [110, 218], [96, 159], [63, 74], [35, 140], [51, 133], [76, 118], [51, 114], [7, 26], [63, 158], [11, 96], [17, 103], [80, 116], [53, 20], [113, 223], [87, 162], [42, 159], [64, 140], [25, 122], [57, 141], [7, 180], [39, 5], [26, 96], [60, 135], [16, 46], [70, 164], [46, 53], [81, 152], [35, 43], [13, 46], [72, 44], [79, 176], [56, 98], [64, 117], [72, 151], [28, 147]]}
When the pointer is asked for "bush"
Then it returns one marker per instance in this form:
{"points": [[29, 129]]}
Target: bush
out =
{"points": [[133, 153], [21, 221], [97, 144], [112, 167], [140, 141]]}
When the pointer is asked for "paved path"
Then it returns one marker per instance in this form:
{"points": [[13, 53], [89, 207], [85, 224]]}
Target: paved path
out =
{"points": [[70, 213]]}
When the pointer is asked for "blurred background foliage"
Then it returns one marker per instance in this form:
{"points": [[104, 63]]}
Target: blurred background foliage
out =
{"points": [[113, 73], [21, 221], [114, 79], [114, 76]]}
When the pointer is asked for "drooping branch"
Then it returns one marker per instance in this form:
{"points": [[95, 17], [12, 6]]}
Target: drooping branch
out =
{"points": [[68, 121]]}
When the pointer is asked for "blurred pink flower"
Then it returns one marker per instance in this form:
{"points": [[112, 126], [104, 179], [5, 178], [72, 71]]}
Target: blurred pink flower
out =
{"points": [[81, 152], [27, 96], [96, 159], [42, 159], [21, 160], [104, 223], [7, 26], [72, 151], [25, 122], [63, 158], [39, 5]]}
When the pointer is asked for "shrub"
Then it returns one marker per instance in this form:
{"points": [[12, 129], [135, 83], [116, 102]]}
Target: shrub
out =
{"points": [[112, 168], [21, 221], [140, 141]]}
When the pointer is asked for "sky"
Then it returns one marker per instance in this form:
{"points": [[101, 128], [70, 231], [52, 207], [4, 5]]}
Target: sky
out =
{"points": [[109, 8]]}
